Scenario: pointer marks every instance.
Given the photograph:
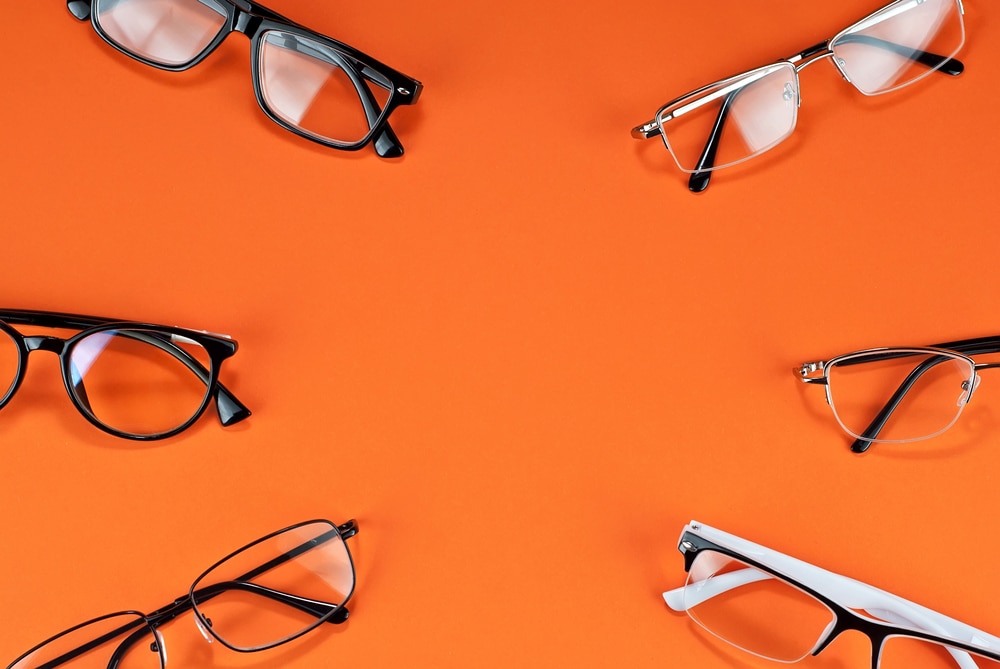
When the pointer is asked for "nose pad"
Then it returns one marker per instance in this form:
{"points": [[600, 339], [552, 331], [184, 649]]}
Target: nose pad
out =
{"points": [[208, 637], [788, 94], [968, 389], [159, 647]]}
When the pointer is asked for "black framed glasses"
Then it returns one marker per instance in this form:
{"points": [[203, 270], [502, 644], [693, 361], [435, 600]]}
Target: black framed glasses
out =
{"points": [[265, 594], [735, 119], [780, 608], [310, 84], [898, 395], [133, 380]]}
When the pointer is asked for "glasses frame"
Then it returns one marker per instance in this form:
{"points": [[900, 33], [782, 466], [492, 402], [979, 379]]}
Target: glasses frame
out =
{"points": [[148, 624], [818, 373], [218, 347], [254, 20], [701, 175], [844, 596]]}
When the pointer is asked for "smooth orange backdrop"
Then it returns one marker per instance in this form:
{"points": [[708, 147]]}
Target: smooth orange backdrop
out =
{"points": [[522, 356]]}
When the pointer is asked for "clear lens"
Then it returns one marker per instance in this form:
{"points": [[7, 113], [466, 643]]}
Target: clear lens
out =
{"points": [[753, 610], [277, 588], [899, 44], [10, 360], [746, 115], [168, 32], [142, 382], [125, 637], [317, 89], [923, 391], [903, 652]]}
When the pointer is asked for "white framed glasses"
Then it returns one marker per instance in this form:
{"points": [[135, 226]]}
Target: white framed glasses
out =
{"points": [[780, 608], [738, 118]]}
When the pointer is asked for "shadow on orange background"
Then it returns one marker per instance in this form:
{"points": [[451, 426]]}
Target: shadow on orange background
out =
{"points": [[523, 355]]}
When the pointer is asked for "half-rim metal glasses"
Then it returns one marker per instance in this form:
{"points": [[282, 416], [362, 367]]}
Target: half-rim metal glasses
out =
{"points": [[784, 609], [900, 394], [133, 380], [740, 117], [310, 84], [265, 594]]}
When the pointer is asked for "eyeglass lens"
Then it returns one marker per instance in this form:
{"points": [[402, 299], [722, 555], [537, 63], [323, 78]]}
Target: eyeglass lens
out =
{"points": [[750, 114], [97, 644], [316, 89], [931, 390], [139, 381], [752, 610], [277, 588], [886, 51], [168, 32]]}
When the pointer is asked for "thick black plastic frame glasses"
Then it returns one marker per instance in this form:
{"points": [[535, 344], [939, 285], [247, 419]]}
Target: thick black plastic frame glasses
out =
{"points": [[962, 347], [218, 348], [143, 626], [254, 20], [701, 175], [846, 619]]}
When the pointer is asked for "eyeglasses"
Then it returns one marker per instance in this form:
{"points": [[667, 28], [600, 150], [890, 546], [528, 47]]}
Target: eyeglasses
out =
{"points": [[310, 84], [132, 380], [896, 395], [265, 594], [733, 120], [783, 609]]}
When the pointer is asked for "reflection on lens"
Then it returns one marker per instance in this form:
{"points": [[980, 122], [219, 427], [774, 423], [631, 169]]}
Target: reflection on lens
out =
{"points": [[753, 610], [928, 389], [277, 588], [900, 44], [732, 120], [317, 89], [903, 652], [167, 32], [141, 382], [10, 359], [97, 643]]}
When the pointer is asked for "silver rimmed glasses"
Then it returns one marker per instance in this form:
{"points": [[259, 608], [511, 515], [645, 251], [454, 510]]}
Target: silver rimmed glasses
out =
{"points": [[896, 395], [738, 118]]}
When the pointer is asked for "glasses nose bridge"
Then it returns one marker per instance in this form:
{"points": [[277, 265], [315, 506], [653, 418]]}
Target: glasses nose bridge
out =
{"points": [[45, 343], [245, 20]]}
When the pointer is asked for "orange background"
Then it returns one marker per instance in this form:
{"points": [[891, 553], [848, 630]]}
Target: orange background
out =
{"points": [[522, 356]]}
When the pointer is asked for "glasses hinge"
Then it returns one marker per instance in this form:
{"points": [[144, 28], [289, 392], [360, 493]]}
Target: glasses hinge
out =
{"points": [[808, 368], [688, 547], [646, 130]]}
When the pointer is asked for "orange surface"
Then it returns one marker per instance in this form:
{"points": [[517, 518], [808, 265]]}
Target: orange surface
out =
{"points": [[524, 355]]}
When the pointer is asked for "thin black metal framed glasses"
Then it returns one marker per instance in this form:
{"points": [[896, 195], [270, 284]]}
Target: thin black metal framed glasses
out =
{"points": [[315, 86], [740, 117], [783, 609], [133, 380], [900, 394], [265, 594]]}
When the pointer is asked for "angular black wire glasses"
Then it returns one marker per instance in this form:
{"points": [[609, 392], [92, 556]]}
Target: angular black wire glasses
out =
{"points": [[738, 118], [132, 380], [310, 84], [897, 395], [263, 595], [780, 608]]}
